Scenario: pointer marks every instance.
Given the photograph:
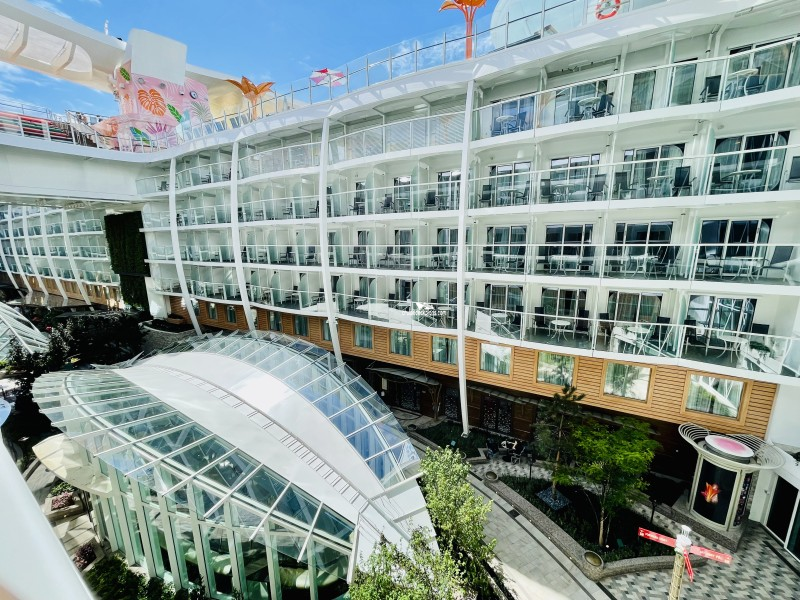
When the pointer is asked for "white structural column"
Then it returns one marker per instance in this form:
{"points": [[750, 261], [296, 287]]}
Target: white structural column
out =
{"points": [[235, 241], [322, 213], [72, 264], [461, 324], [50, 262], [20, 270], [176, 247], [28, 247]]}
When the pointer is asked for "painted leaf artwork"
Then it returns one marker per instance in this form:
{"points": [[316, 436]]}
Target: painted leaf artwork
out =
{"points": [[200, 111], [152, 101], [175, 113], [124, 74]]}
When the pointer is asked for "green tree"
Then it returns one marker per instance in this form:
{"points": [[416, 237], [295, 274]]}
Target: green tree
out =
{"points": [[419, 574], [110, 579], [458, 515], [556, 422], [612, 460]]}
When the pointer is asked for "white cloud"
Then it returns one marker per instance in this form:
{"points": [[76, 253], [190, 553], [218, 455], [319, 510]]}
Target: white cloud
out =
{"points": [[51, 7], [95, 2]]}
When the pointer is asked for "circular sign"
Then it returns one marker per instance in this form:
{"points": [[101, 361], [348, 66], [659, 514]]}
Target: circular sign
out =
{"points": [[729, 447]]}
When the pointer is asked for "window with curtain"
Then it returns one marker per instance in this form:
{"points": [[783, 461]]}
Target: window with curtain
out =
{"points": [[651, 162], [405, 289], [446, 292], [503, 297], [275, 323], [507, 241], [642, 93], [211, 311], [444, 349], [496, 359], [722, 239], [230, 314], [448, 185], [762, 153], [301, 325], [683, 83], [771, 63], [627, 381], [714, 395], [639, 238], [554, 368], [362, 336], [633, 307], [559, 302], [400, 342], [729, 314], [568, 239], [402, 188]]}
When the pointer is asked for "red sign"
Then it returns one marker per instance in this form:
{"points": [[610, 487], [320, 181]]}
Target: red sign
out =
{"points": [[689, 568], [656, 537], [712, 554]]}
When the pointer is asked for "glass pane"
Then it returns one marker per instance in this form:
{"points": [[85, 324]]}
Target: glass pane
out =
{"points": [[254, 569], [298, 505], [331, 566]]}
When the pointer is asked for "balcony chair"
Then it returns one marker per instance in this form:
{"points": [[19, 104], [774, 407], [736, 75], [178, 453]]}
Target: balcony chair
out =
{"points": [[430, 200], [665, 261], [753, 84], [604, 324], [486, 196], [392, 300], [718, 185], [358, 206], [604, 107], [582, 322], [288, 210], [622, 185], [780, 257], [545, 191], [388, 204], [660, 331], [683, 180], [538, 318], [497, 128], [518, 124], [488, 258], [311, 255], [314, 210], [574, 112], [287, 258], [794, 171], [598, 187], [710, 91], [522, 197]]}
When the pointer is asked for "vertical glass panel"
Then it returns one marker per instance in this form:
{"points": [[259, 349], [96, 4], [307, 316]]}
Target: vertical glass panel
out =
{"points": [[294, 575], [185, 552], [218, 560], [263, 488], [682, 84], [158, 541], [298, 505], [627, 381], [714, 395], [134, 530], [642, 93], [331, 567], [333, 524], [254, 566]]}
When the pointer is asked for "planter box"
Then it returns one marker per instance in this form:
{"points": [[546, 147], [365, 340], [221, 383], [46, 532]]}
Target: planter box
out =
{"points": [[99, 554], [74, 509]]}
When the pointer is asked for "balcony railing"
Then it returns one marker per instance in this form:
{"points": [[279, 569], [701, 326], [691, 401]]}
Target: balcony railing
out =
{"points": [[281, 254], [203, 215], [213, 290], [207, 253], [280, 159], [152, 185], [402, 135], [416, 257], [153, 219], [97, 252], [203, 174], [298, 207], [403, 313], [423, 197], [294, 299], [711, 80], [737, 262], [759, 352], [740, 172]]}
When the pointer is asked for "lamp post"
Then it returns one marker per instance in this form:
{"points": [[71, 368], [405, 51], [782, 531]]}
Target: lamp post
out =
{"points": [[468, 8]]}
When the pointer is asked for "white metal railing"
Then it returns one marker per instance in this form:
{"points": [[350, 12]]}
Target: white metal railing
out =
{"points": [[280, 159]]}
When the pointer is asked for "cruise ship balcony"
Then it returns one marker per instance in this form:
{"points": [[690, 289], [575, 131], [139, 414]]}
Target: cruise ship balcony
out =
{"points": [[403, 197], [753, 349], [291, 207], [405, 257], [307, 254], [276, 160], [768, 67]]}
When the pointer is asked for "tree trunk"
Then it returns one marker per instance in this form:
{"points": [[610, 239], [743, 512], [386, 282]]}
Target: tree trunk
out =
{"points": [[601, 538], [558, 456]]}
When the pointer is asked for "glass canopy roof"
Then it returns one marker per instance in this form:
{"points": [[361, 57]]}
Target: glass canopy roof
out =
{"points": [[337, 391], [14, 325], [144, 438]]}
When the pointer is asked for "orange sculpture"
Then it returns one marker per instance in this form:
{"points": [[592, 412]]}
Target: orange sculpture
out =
{"points": [[251, 91], [468, 8]]}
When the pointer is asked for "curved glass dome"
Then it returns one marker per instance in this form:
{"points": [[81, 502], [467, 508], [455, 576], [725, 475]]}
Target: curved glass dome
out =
{"points": [[260, 438], [14, 325]]}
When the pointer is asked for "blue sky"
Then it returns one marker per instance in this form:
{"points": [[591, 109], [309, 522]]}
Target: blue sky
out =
{"points": [[266, 40]]}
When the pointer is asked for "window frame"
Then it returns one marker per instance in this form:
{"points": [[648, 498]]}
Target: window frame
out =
{"points": [[449, 342], [646, 401], [409, 342], [482, 366], [357, 337], [303, 321], [231, 310], [744, 398], [559, 385], [211, 310]]}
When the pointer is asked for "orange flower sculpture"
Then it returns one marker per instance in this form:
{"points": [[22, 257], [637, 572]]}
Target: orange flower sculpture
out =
{"points": [[251, 91], [712, 493], [468, 8]]}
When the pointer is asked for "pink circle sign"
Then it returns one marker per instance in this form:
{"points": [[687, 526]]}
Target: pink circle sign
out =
{"points": [[729, 446]]}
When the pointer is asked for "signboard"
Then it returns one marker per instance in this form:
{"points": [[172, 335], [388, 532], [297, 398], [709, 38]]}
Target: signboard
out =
{"points": [[712, 554], [656, 537]]}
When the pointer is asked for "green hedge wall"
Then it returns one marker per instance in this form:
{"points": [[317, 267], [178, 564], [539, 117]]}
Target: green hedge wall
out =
{"points": [[128, 251]]}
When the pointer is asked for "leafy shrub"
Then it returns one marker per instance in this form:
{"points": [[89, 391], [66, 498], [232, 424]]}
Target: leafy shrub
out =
{"points": [[62, 487], [158, 589], [111, 579]]}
